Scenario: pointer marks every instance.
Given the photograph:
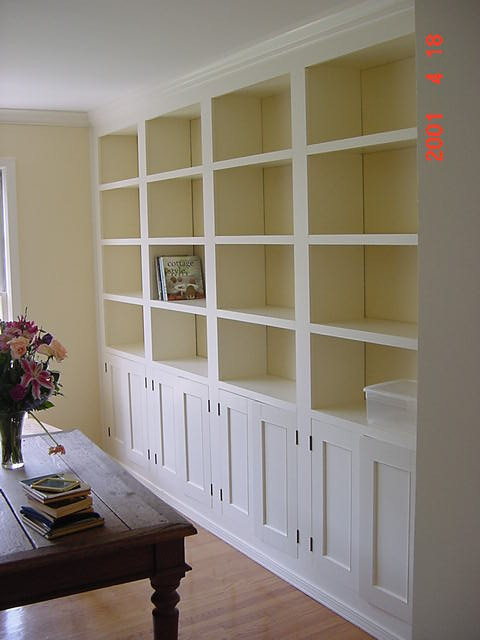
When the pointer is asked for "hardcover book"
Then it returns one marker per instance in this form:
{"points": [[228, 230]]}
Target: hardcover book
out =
{"points": [[62, 507], [180, 277], [55, 528], [158, 269], [48, 497]]}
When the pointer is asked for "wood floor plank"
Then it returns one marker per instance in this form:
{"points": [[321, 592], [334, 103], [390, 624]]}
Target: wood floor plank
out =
{"points": [[227, 596]]}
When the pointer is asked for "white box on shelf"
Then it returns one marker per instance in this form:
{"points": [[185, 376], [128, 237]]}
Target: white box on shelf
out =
{"points": [[392, 403]]}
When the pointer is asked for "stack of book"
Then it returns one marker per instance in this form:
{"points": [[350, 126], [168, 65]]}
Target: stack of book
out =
{"points": [[58, 504]]}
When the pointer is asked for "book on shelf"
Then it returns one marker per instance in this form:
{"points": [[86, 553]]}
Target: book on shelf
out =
{"points": [[158, 269], [52, 528], [62, 507], [46, 496], [179, 278]]}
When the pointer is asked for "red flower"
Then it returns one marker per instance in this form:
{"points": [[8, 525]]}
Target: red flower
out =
{"points": [[58, 449], [35, 374]]}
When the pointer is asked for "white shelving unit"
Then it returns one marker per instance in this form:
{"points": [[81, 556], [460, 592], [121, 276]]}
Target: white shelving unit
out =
{"points": [[294, 181]]}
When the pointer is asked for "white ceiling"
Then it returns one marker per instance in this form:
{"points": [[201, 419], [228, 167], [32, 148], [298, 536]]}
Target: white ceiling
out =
{"points": [[82, 54]]}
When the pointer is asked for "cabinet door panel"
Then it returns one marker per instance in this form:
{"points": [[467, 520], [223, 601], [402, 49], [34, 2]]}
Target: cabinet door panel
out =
{"points": [[236, 460], [334, 505], [193, 425], [387, 489], [275, 462], [163, 432], [168, 458], [128, 414], [137, 445]]}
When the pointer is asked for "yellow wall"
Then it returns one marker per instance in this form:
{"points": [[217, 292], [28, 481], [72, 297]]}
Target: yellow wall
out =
{"points": [[56, 257]]}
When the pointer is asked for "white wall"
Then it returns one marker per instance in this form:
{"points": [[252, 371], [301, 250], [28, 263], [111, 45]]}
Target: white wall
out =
{"points": [[447, 538], [56, 257]]}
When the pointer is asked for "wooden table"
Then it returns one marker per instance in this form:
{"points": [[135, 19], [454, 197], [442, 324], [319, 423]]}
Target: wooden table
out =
{"points": [[142, 538]]}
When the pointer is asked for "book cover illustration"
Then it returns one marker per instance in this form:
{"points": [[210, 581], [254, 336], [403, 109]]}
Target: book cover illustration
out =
{"points": [[181, 277]]}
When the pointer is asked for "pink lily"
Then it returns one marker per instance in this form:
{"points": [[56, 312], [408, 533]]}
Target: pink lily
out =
{"points": [[35, 373]]}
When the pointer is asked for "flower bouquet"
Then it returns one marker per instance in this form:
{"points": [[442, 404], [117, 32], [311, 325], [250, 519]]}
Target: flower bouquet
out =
{"points": [[27, 382]]}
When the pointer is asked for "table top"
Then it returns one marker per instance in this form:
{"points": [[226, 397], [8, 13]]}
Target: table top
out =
{"points": [[133, 514]]}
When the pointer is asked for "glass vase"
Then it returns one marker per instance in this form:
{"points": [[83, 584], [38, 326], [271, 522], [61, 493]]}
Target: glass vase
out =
{"points": [[11, 434]]}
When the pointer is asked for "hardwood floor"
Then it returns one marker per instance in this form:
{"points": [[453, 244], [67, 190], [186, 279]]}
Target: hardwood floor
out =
{"points": [[226, 597]]}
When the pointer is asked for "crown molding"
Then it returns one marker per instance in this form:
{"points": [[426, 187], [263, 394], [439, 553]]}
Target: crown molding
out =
{"points": [[44, 117], [365, 12]]}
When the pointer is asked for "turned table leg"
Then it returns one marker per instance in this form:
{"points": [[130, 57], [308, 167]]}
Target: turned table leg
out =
{"points": [[165, 612]]}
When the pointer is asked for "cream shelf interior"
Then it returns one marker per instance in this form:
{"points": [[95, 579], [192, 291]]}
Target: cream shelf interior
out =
{"points": [[258, 358], [120, 213], [381, 197], [118, 156], [122, 272], [254, 200], [256, 279], [179, 340], [367, 92], [124, 327], [175, 208], [369, 288], [253, 120], [342, 368], [174, 141]]}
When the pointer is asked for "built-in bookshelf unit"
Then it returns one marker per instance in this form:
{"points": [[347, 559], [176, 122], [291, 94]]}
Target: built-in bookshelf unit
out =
{"points": [[294, 179]]}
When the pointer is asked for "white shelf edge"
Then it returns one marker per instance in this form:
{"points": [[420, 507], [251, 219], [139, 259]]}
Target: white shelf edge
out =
{"points": [[287, 239], [187, 306], [270, 159], [127, 299], [245, 389], [119, 184], [120, 242], [385, 239], [370, 142], [346, 417], [187, 172], [257, 318], [180, 240], [365, 335], [197, 367], [133, 352]]}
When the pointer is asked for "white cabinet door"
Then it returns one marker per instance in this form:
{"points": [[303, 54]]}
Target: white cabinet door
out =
{"points": [[335, 502], [236, 462], [275, 465], [127, 431], [387, 490], [193, 425], [164, 441]]}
